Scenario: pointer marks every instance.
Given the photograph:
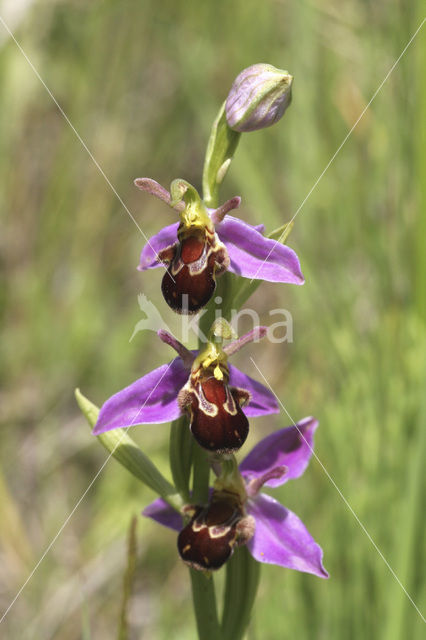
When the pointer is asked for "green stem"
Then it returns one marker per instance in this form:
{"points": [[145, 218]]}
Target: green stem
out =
{"points": [[201, 475], [203, 589], [221, 147], [205, 609], [220, 150]]}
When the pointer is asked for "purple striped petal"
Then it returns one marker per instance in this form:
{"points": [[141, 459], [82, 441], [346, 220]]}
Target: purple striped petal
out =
{"points": [[290, 447], [163, 513], [254, 256], [151, 399], [262, 401], [163, 239], [281, 538]]}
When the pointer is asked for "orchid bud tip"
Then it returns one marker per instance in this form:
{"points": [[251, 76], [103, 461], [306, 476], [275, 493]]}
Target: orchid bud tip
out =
{"points": [[258, 98]]}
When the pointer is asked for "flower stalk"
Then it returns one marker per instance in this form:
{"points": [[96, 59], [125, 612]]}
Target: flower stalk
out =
{"points": [[221, 147]]}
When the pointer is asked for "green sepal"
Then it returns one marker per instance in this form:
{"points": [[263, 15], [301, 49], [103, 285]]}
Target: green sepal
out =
{"points": [[242, 580], [243, 289], [281, 234], [221, 147], [180, 452], [126, 451]]}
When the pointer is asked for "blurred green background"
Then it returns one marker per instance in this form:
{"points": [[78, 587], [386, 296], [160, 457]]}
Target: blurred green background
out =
{"points": [[142, 82]]}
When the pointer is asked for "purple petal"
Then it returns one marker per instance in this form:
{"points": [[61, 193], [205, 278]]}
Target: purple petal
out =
{"points": [[281, 538], [163, 239], [290, 447], [262, 401], [151, 399], [254, 256], [163, 513]]}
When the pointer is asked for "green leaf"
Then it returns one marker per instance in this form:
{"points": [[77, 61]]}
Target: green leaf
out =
{"points": [[221, 147], [126, 451], [204, 597], [243, 289], [181, 452], [242, 580]]}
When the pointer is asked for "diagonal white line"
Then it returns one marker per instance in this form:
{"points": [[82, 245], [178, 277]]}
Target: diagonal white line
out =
{"points": [[343, 497], [84, 145], [330, 162], [46, 551]]}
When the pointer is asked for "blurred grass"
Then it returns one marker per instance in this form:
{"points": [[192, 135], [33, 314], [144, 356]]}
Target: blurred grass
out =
{"points": [[141, 82]]}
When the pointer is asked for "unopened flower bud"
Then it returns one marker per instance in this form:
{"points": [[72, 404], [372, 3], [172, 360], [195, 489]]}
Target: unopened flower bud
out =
{"points": [[258, 98]]}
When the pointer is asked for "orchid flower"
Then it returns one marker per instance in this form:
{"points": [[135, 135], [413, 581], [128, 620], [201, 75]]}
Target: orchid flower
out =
{"points": [[206, 243], [202, 385], [239, 513]]}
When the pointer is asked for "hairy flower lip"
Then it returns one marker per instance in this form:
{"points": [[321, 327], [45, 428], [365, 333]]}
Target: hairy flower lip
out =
{"points": [[194, 263], [279, 536], [217, 420], [208, 540]]}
